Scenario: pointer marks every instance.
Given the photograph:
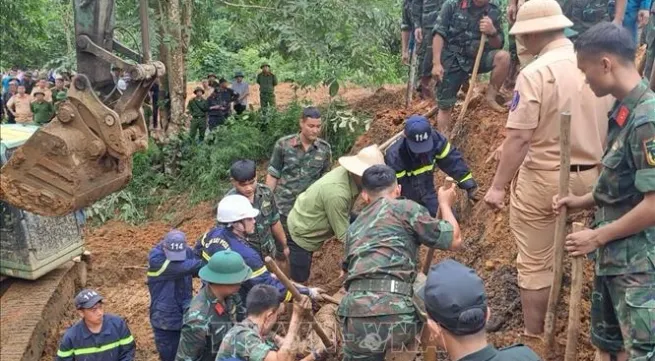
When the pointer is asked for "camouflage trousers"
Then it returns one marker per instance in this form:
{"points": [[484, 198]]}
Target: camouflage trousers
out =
{"points": [[623, 315], [649, 34], [424, 54], [371, 338], [454, 76]]}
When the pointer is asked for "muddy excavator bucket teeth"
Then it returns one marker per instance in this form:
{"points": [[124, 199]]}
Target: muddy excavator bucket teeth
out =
{"points": [[82, 155], [53, 174]]}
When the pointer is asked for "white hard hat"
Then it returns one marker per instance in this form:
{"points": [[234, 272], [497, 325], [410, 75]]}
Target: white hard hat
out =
{"points": [[234, 208]]}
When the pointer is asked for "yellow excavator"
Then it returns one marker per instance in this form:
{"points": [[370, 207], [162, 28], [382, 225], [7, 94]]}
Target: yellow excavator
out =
{"points": [[85, 152]]}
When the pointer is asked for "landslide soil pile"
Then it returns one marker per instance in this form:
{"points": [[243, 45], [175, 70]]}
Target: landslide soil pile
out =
{"points": [[120, 250]]}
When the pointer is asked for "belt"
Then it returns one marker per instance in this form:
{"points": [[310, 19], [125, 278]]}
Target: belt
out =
{"points": [[582, 167], [381, 285]]}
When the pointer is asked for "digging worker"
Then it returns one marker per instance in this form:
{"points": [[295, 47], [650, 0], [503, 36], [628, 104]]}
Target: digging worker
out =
{"points": [[424, 17], [323, 210], [456, 305], [215, 309], [457, 36], [236, 221], [414, 156], [381, 263], [198, 108], [98, 336], [268, 228], [253, 339], [530, 154], [267, 82], [623, 234], [406, 29], [171, 267], [298, 160]]}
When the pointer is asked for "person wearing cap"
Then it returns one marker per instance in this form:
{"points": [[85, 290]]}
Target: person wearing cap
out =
{"points": [[42, 111], [457, 310], [415, 156], [219, 103], [198, 108], [268, 228], [267, 82], [236, 223], [215, 309], [297, 161], [530, 155], [42, 86], [622, 237], [28, 82], [98, 336], [457, 35], [242, 90], [323, 210], [381, 263], [171, 268], [253, 339], [59, 92]]}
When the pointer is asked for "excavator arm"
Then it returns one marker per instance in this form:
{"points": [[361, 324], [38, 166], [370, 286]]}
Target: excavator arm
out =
{"points": [[85, 152]]}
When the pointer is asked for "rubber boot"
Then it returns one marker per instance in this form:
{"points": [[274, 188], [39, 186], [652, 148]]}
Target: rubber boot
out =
{"points": [[492, 92], [426, 90]]}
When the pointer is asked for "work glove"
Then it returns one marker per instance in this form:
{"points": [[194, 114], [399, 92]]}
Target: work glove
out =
{"points": [[315, 293], [471, 188]]}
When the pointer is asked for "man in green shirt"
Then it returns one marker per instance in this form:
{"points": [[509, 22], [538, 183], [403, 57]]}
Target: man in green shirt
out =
{"points": [[42, 109], [59, 92], [323, 210], [198, 110], [267, 82]]}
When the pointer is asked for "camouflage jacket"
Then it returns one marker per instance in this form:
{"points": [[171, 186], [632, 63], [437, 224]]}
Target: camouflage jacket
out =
{"points": [[425, 13], [383, 244], [296, 169], [407, 23], [585, 13], [459, 26], [244, 342], [262, 241], [628, 173], [205, 324]]}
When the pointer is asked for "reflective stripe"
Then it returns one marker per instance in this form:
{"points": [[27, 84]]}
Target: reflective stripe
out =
{"points": [[444, 152], [206, 256], [258, 272], [466, 177], [89, 350], [424, 169], [400, 174], [159, 271], [287, 297]]}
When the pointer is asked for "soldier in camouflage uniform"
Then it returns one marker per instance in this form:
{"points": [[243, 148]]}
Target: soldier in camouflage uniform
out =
{"points": [[298, 160], [254, 340], [456, 304], [424, 17], [268, 227], [456, 40], [406, 30], [215, 309], [381, 262], [649, 33], [267, 82], [623, 236]]}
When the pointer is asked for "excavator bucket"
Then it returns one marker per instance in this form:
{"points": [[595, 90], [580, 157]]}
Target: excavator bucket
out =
{"points": [[81, 156]]}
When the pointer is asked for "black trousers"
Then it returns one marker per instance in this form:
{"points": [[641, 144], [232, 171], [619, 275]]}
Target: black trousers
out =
{"points": [[239, 108], [300, 261]]}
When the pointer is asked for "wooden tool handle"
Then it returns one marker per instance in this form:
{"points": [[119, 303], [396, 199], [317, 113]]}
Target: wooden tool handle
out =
{"points": [[560, 230], [577, 280], [474, 77], [272, 267], [430, 255]]}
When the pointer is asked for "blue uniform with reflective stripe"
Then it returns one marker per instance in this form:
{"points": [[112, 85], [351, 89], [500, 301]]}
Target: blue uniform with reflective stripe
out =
{"points": [[171, 290], [114, 342], [221, 238], [415, 171]]}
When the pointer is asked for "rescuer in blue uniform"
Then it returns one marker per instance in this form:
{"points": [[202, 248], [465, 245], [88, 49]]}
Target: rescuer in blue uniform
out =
{"points": [[171, 267], [236, 221], [415, 156], [98, 336]]}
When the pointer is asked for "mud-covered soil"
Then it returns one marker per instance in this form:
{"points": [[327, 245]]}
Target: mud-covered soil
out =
{"points": [[120, 250]]}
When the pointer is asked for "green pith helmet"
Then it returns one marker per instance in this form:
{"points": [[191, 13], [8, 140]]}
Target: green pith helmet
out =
{"points": [[225, 268], [265, 64]]}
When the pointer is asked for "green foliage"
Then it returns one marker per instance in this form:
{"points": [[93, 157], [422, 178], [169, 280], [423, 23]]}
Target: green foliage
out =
{"points": [[201, 171]]}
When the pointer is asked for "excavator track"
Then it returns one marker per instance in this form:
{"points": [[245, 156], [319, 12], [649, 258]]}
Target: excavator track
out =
{"points": [[29, 310]]}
